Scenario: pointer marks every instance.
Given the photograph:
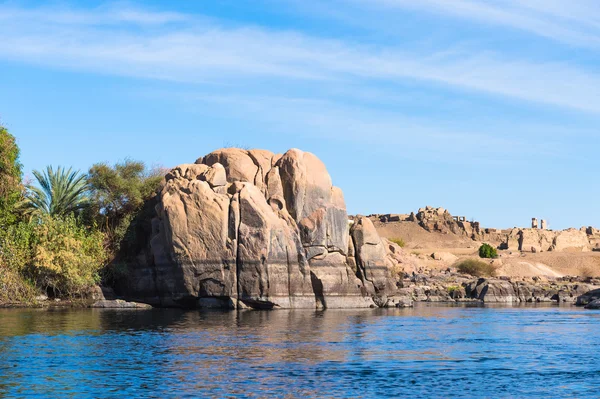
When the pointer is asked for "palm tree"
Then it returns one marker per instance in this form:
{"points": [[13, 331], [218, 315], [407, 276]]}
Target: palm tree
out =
{"points": [[60, 192]]}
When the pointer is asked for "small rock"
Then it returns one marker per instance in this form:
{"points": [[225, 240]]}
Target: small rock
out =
{"points": [[119, 304], [595, 304]]}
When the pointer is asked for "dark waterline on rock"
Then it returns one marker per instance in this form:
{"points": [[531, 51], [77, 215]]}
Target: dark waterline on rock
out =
{"points": [[428, 351]]}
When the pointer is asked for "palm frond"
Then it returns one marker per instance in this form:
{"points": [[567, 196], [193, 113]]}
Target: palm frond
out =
{"points": [[60, 192]]}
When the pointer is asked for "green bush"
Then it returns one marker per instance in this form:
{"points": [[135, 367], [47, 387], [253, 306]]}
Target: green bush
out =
{"points": [[399, 241], [476, 268], [487, 251], [15, 256], [452, 288]]}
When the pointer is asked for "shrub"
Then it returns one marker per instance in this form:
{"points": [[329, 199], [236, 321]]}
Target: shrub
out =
{"points": [[452, 288], [487, 251], [476, 268], [15, 256], [66, 257], [14, 288], [399, 241]]}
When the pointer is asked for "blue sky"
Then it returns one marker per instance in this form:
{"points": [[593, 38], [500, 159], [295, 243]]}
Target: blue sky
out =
{"points": [[488, 108]]}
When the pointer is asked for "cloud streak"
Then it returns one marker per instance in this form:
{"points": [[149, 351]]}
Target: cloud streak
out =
{"points": [[186, 48], [574, 22]]}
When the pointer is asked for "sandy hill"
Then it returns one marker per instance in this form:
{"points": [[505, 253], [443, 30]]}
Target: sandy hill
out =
{"points": [[441, 234]]}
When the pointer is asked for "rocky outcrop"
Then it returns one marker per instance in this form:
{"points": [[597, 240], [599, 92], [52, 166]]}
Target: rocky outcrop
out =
{"points": [[118, 304], [255, 229], [588, 297], [441, 221], [595, 304], [538, 240], [450, 286], [571, 240]]}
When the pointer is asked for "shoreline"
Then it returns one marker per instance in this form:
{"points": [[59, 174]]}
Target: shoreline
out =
{"points": [[434, 287]]}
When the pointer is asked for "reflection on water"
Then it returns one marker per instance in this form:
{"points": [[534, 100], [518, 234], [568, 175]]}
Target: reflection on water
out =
{"points": [[434, 351]]}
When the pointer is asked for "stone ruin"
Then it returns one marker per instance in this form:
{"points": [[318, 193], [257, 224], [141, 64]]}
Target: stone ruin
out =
{"points": [[593, 236], [535, 239], [541, 239], [543, 224], [391, 217]]}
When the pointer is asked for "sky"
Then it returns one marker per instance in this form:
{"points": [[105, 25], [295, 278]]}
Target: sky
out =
{"points": [[488, 108]]}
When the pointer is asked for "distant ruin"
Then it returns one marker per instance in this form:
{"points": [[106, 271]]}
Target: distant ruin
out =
{"points": [[543, 224], [537, 238]]}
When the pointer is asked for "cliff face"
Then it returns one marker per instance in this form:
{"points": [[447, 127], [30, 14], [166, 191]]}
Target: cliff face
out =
{"points": [[255, 229]]}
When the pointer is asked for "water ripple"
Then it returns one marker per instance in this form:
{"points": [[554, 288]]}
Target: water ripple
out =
{"points": [[428, 351]]}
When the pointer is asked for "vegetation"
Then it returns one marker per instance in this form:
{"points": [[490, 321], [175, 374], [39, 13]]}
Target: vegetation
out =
{"points": [[452, 288], [476, 268], [58, 235], [10, 177], [399, 241], [67, 257], [15, 255], [61, 192], [487, 251], [118, 193], [56, 255]]}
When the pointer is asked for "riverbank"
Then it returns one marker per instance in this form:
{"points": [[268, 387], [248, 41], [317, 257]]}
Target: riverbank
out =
{"points": [[440, 287], [450, 286]]}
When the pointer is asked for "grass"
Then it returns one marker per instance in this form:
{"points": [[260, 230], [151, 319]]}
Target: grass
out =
{"points": [[398, 241], [476, 268]]}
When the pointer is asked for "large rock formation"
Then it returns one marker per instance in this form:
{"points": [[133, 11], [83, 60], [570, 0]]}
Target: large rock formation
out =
{"points": [[538, 240], [250, 228]]}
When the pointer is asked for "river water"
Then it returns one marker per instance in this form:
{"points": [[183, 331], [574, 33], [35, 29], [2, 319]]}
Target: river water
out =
{"points": [[428, 351]]}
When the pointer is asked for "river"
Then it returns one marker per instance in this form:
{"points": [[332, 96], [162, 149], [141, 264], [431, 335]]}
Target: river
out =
{"points": [[427, 351]]}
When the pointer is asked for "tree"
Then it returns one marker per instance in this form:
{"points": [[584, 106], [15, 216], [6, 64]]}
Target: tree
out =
{"points": [[10, 177], [118, 192], [60, 193]]}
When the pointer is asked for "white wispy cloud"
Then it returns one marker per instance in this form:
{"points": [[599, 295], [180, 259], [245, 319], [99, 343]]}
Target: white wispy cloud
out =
{"points": [[186, 48], [405, 136], [109, 14], [576, 22]]}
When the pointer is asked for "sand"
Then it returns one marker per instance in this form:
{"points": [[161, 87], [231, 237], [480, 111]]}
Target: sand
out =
{"points": [[420, 244]]}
